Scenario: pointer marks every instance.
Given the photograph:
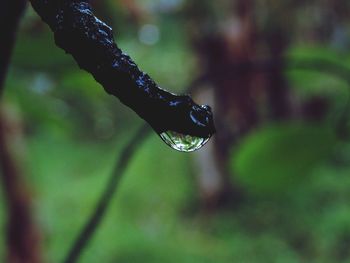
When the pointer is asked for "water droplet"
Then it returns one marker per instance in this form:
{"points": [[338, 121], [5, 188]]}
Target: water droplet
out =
{"points": [[183, 142]]}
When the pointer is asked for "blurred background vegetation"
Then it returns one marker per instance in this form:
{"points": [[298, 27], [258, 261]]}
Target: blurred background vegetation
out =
{"points": [[271, 186]]}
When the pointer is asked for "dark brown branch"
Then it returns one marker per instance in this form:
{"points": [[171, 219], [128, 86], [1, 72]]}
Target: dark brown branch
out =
{"points": [[10, 14], [90, 41], [22, 236], [126, 154], [90, 227]]}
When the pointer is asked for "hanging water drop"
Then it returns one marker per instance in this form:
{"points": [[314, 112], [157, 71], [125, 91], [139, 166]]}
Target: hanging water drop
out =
{"points": [[183, 142]]}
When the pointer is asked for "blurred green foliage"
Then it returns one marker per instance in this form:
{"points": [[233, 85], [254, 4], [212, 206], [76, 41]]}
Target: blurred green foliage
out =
{"points": [[295, 175], [275, 158]]}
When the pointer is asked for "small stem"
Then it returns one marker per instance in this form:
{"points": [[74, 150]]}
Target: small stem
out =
{"points": [[10, 14], [129, 150], [90, 227]]}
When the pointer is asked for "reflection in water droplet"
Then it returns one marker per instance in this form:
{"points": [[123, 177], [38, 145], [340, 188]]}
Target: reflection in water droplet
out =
{"points": [[183, 142]]}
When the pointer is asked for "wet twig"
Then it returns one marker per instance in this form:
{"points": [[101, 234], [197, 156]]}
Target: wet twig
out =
{"points": [[125, 157], [91, 43]]}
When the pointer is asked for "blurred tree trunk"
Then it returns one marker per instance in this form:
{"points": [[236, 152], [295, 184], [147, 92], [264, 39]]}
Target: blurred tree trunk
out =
{"points": [[23, 237], [276, 38], [223, 52], [10, 14], [136, 15], [245, 94]]}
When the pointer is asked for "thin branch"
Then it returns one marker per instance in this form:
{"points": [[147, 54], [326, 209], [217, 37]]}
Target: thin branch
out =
{"points": [[10, 14], [90, 227], [22, 235], [90, 41], [126, 154]]}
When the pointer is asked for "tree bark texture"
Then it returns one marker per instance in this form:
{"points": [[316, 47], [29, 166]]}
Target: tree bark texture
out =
{"points": [[90, 41]]}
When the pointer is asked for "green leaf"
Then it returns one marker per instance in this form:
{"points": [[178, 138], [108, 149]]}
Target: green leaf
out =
{"points": [[277, 157]]}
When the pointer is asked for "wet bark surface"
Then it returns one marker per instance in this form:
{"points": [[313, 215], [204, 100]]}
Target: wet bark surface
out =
{"points": [[90, 41]]}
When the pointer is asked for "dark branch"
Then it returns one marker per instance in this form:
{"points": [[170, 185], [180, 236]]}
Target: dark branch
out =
{"points": [[22, 235], [10, 14], [126, 154], [90, 227], [90, 41]]}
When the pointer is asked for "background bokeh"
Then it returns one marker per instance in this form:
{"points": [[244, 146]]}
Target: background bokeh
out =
{"points": [[273, 185]]}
